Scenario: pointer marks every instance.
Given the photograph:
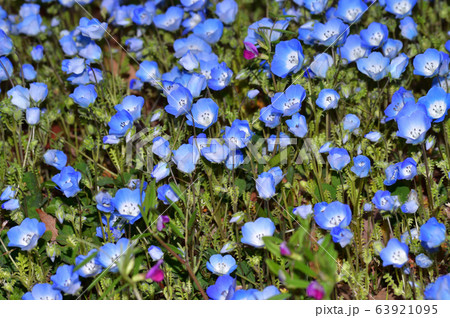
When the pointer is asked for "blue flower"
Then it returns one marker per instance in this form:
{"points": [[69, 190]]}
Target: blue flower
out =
{"points": [[104, 203], [398, 65], [265, 185], [6, 43], [29, 73], [436, 102], [391, 48], [33, 115], [226, 11], [235, 137], [399, 100], [335, 214], [84, 95], [73, 66], [179, 99], [91, 51], [384, 201], [288, 58], [193, 5], [132, 104], [68, 45], [282, 141], [26, 235], [413, 127], [406, 238], [315, 6], [395, 253], [350, 10], [375, 35], [289, 102], [391, 174], [253, 232], [128, 203], [220, 77], [192, 43], [270, 116], [43, 292], [210, 30], [143, 15], [194, 19], [160, 171], [361, 166], [120, 123], [161, 147], [8, 193], [223, 288], [148, 72], [303, 211], [267, 293], [319, 67], [186, 157], [407, 169], [92, 28], [155, 253], [338, 158], [341, 236], [351, 122], [221, 265], [66, 280], [400, 8], [11, 205], [235, 159], [333, 32], [428, 63], [373, 136], [203, 113], [439, 290], [375, 66], [20, 96], [423, 261], [111, 253], [215, 152], [30, 25], [9, 69], [67, 181], [297, 125], [166, 194], [265, 29], [170, 20], [432, 234], [353, 50], [91, 268], [304, 32], [328, 99], [55, 158], [38, 92]]}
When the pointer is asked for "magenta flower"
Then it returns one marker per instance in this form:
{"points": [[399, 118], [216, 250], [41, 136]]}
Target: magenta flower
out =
{"points": [[250, 51], [160, 222], [315, 290], [284, 249], [155, 273]]}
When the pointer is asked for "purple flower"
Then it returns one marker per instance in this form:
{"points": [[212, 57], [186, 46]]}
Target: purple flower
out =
{"points": [[315, 290], [250, 51], [155, 273], [162, 219], [284, 249]]}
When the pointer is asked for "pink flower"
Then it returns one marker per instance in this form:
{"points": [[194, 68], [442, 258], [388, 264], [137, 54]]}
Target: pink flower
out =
{"points": [[284, 249], [160, 222], [155, 273], [315, 290], [250, 51]]}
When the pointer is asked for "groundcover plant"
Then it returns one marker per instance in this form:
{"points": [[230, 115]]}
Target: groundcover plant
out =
{"points": [[224, 149]]}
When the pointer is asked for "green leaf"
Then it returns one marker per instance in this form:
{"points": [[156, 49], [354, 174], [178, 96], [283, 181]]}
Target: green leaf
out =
{"points": [[281, 296], [295, 283], [272, 243]]}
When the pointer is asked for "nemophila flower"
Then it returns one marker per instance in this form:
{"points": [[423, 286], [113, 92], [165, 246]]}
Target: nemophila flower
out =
{"points": [[398, 65], [338, 158], [43, 292], [228, 247], [226, 11], [104, 203], [315, 6], [84, 95], [136, 84], [383, 200], [160, 171], [193, 5], [265, 29], [445, 61], [91, 51], [221, 265], [203, 113], [353, 50], [341, 236], [413, 127], [288, 58], [210, 30], [407, 169], [235, 159], [395, 253], [200, 141], [170, 20], [375, 66], [253, 232], [179, 99], [194, 19], [281, 141], [148, 72], [186, 157], [252, 93], [399, 100], [32, 115], [391, 48], [215, 152], [406, 237], [350, 10], [237, 217], [351, 122], [408, 28], [367, 207], [155, 273], [303, 211], [361, 166], [270, 116], [315, 290], [28, 71], [128, 203], [432, 234], [375, 35], [30, 25], [166, 194], [66, 280], [192, 43], [91, 268], [326, 147], [327, 99], [8, 193], [143, 15], [297, 125], [277, 174], [155, 253], [373, 136], [220, 77], [266, 293], [238, 135], [110, 254], [304, 32], [439, 290], [8, 66], [26, 235], [67, 181], [132, 104], [400, 8], [189, 61], [38, 92], [11, 205], [161, 147], [332, 215], [436, 103], [265, 185], [68, 45], [120, 123], [333, 32], [391, 173], [196, 84], [223, 288], [428, 63], [6, 43], [20, 96], [423, 261], [134, 44], [320, 65], [93, 29], [289, 102], [73, 66], [55, 158]]}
